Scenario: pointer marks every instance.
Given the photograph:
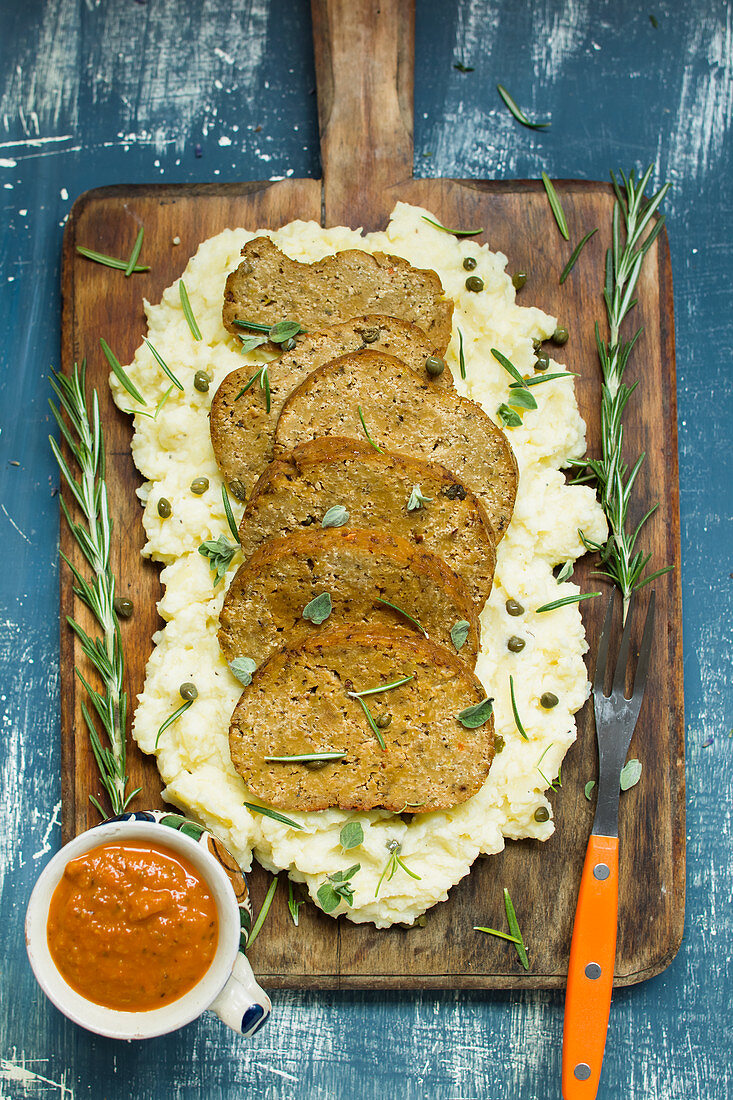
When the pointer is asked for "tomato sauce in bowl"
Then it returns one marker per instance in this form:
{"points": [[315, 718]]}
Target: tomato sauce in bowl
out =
{"points": [[132, 927]]}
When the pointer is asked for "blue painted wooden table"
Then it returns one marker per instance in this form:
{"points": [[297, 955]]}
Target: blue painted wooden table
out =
{"points": [[94, 92]]}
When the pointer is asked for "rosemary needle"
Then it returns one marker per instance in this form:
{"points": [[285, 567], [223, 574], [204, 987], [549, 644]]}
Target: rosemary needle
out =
{"points": [[513, 923], [495, 932], [454, 232], [163, 365], [575, 253], [109, 261], [187, 311], [518, 112], [135, 253], [517, 719], [366, 431], [566, 600], [556, 206], [267, 812], [119, 372], [264, 910]]}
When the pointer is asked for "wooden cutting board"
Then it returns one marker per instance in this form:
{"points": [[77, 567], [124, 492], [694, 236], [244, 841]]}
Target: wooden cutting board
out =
{"points": [[364, 67]]}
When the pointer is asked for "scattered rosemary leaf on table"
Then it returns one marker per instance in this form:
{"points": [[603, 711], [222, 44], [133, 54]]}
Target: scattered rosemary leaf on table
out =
{"points": [[264, 910], [517, 720], [351, 836], [495, 932], [556, 206], [318, 609], [163, 365], [267, 812], [119, 372], [187, 311], [406, 614], [459, 633], [518, 112], [574, 255], [336, 516], [566, 600], [109, 261], [513, 923], [294, 904], [242, 668], [630, 774], [134, 255], [477, 715], [454, 232]]}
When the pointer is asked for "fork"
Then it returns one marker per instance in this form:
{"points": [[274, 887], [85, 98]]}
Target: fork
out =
{"points": [[593, 946]]}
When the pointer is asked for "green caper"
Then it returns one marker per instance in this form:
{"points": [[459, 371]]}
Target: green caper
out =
{"points": [[560, 336], [519, 279], [201, 381], [123, 607], [164, 508], [237, 489], [188, 691], [548, 700], [474, 283], [537, 345], [499, 743], [290, 344], [515, 644], [370, 335], [199, 485], [470, 263], [434, 365], [383, 721], [542, 362], [542, 814], [514, 608]]}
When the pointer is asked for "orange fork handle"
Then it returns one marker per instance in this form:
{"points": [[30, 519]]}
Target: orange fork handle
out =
{"points": [[590, 975]]}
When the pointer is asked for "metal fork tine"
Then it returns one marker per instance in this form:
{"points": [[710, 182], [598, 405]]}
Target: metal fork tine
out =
{"points": [[642, 667], [619, 678], [602, 656]]}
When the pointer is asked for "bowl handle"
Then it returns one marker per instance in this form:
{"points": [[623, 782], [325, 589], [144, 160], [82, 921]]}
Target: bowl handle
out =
{"points": [[242, 1004]]}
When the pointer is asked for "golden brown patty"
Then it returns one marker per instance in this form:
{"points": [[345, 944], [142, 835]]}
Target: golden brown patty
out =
{"points": [[403, 415], [243, 432], [268, 287], [295, 492], [298, 702], [264, 607]]}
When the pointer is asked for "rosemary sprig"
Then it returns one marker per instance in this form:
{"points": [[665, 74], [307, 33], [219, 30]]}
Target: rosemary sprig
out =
{"points": [[518, 112], [187, 311], [556, 206], [84, 437], [623, 563], [264, 910]]}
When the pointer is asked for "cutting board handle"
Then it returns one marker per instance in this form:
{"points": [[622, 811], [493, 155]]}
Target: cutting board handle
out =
{"points": [[365, 60]]}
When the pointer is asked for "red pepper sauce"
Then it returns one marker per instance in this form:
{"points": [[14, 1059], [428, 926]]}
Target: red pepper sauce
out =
{"points": [[132, 927]]}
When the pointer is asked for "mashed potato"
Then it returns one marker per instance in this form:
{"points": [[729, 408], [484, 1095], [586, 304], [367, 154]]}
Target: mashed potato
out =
{"points": [[172, 447]]}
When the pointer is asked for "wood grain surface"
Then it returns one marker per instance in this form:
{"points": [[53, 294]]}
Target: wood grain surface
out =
{"points": [[542, 878]]}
